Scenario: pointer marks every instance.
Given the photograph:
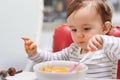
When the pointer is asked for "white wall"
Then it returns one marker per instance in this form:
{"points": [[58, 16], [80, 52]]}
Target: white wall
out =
{"points": [[18, 18]]}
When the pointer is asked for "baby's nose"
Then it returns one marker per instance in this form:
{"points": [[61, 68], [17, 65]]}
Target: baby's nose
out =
{"points": [[80, 35]]}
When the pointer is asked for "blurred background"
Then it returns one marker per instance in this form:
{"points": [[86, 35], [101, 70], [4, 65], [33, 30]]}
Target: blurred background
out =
{"points": [[37, 20]]}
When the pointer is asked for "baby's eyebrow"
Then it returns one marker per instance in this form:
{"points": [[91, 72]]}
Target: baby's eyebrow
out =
{"points": [[86, 24], [70, 26]]}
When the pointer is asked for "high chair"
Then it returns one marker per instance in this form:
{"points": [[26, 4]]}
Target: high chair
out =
{"points": [[62, 39]]}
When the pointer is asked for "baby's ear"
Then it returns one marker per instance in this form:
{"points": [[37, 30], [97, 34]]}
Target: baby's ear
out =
{"points": [[107, 27]]}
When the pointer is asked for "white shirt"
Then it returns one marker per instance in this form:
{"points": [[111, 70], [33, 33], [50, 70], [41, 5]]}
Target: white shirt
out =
{"points": [[101, 63]]}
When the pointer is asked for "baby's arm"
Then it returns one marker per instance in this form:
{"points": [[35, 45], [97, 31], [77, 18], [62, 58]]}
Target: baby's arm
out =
{"points": [[30, 47], [37, 55], [45, 55], [110, 44]]}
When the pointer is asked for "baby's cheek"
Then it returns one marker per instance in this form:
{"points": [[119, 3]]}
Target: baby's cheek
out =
{"points": [[74, 40]]}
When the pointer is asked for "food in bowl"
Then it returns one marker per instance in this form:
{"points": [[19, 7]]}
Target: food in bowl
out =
{"points": [[53, 69], [59, 70]]}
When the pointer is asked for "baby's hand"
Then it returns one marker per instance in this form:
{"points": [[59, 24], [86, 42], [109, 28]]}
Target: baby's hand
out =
{"points": [[30, 46], [95, 43]]}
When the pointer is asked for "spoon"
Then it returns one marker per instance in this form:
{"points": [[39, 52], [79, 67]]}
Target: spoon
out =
{"points": [[76, 65]]}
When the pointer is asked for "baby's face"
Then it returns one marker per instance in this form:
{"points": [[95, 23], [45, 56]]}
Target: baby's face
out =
{"points": [[85, 23]]}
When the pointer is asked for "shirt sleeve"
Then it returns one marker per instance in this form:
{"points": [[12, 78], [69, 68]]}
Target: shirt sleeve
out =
{"points": [[49, 56], [111, 46]]}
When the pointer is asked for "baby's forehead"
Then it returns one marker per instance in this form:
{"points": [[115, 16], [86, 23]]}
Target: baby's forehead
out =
{"points": [[100, 7], [86, 12], [87, 7], [83, 15]]}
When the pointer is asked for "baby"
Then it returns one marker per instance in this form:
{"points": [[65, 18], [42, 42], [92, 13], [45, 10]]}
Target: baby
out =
{"points": [[89, 21]]}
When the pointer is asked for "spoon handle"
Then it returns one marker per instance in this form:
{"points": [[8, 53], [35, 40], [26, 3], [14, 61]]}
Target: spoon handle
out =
{"points": [[73, 68], [76, 65]]}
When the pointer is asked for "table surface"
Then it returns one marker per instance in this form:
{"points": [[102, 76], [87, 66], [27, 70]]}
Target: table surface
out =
{"points": [[31, 76]]}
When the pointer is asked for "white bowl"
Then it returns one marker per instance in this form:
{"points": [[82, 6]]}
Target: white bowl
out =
{"points": [[60, 76]]}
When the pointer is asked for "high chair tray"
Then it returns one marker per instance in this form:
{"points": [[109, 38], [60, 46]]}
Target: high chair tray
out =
{"points": [[25, 75]]}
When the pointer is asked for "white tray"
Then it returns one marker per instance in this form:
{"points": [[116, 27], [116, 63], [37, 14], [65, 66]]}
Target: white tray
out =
{"points": [[31, 76]]}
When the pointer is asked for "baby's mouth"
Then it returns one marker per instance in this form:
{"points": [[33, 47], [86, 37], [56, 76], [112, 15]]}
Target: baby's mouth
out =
{"points": [[81, 42]]}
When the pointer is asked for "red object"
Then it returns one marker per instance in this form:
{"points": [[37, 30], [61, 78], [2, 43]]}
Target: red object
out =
{"points": [[115, 31], [61, 38], [118, 70], [12, 71]]}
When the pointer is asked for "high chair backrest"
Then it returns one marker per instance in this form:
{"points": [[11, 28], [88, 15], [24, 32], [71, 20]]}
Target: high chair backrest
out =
{"points": [[62, 39], [118, 70]]}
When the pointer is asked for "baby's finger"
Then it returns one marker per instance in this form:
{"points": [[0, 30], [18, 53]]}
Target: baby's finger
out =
{"points": [[96, 43], [27, 48], [24, 38], [28, 45], [99, 39], [33, 46], [92, 47], [28, 42]]}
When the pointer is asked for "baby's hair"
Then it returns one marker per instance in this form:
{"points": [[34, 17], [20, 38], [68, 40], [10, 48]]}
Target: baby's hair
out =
{"points": [[101, 7]]}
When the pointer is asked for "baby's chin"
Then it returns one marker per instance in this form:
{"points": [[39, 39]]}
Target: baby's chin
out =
{"points": [[83, 46]]}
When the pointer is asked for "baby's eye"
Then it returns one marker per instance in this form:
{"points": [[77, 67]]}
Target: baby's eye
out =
{"points": [[73, 30], [87, 28]]}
